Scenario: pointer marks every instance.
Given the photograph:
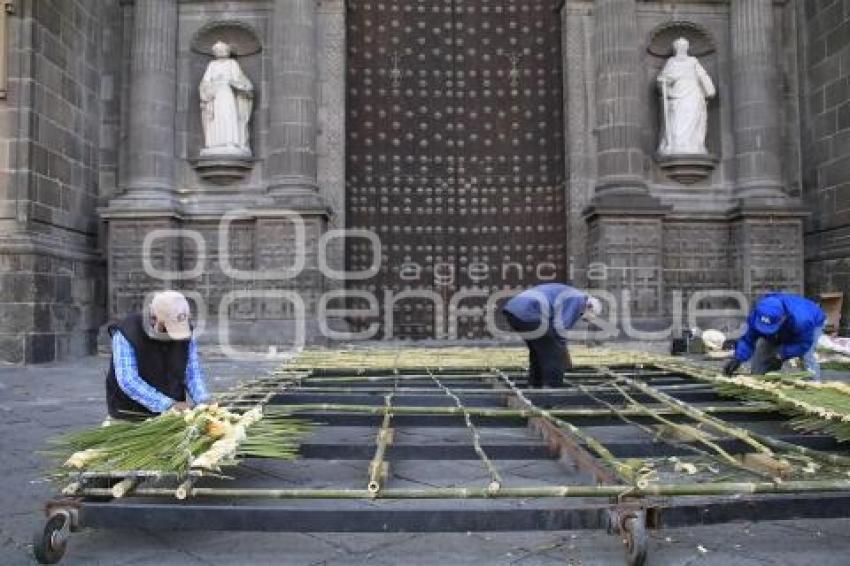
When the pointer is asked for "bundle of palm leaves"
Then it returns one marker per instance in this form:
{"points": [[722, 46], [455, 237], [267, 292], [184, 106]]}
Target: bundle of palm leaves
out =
{"points": [[817, 407], [205, 437]]}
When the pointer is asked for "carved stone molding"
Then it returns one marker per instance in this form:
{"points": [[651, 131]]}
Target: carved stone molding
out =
{"points": [[661, 39], [240, 36], [223, 170], [687, 168]]}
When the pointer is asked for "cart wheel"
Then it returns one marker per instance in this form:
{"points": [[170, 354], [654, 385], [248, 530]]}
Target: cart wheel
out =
{"points": [[49, 543], [636, 539]]}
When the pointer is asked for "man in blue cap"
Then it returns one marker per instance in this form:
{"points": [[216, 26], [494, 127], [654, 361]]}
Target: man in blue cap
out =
{"points": [[542, 315], [780, 327]]}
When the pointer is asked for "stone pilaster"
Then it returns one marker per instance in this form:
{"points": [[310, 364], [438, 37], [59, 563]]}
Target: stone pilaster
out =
{"points": [[618, 108], [292, 155], [330, 145], [755, 98], [625, 250], [625, 230], [767, 252], [152, 102], [580, 154]]}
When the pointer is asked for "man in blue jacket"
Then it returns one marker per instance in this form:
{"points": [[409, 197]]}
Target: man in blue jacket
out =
{"points": [[543, 314], [780, 327]]}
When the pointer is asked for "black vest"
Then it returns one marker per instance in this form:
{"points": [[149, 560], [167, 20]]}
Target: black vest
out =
{"points": [[162, 364]]}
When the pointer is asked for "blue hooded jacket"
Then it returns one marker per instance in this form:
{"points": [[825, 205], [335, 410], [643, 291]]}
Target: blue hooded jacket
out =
{"points": [[564, 303], [796, 334]]}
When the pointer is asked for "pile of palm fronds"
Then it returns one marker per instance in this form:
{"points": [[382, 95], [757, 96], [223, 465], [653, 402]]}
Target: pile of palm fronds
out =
{"points": [[205, 437], [817, 407]]}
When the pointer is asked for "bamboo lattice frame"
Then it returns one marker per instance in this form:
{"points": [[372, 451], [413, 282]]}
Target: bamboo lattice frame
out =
{"points": [[480, 372]]}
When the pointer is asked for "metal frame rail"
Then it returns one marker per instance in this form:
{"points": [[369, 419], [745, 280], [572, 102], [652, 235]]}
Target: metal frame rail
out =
{"points": [[639, 447]]}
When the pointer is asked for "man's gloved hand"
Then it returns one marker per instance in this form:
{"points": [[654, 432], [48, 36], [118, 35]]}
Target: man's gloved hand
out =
{"points": [[773, 364], [731, 367]]}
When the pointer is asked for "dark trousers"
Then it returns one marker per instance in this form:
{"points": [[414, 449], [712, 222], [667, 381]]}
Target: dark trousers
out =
{"points": [[547, 355]]}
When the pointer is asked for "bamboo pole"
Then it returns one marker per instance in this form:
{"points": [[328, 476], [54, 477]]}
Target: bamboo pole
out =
{"points": [[408, 357], [267, 384], [185, 487], [491, 412], [826, 457], [495, 477], [259, 392], [377, 464], [590, 491], [622, 416], [484, 391], [124, 487], [697, 414], [402, 358], [153, 474], [758, 441], [702, 438], [709, 375], [653, 433], [624, 471], [379, 375], [391, 378], [722, 455]]}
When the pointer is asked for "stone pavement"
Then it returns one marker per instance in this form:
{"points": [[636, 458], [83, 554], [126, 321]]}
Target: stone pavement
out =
{"points": [[39, 402]]}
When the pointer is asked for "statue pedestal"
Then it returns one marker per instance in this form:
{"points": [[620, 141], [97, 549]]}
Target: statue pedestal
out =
{"points": [[687, 168], [222, 169]]}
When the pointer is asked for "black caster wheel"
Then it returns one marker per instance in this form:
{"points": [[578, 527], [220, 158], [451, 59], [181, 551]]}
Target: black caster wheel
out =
{"points": [[50, 542], [634, 531]]}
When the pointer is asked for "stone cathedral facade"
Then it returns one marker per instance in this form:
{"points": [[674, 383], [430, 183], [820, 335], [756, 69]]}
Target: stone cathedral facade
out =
{"points": [[468, 147]]}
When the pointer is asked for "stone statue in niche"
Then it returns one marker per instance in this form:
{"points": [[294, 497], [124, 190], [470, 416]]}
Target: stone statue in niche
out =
{"points": [[685, 86], [227, 97]]}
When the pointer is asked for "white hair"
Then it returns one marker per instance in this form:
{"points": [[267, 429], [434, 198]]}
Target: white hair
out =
{"points": [[593, 306]]}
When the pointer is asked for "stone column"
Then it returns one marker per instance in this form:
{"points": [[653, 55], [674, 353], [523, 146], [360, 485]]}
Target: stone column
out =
{"points": [[755, 100], [292, 155], [624, 222], [153, 92], [330, 146], [767, 226], [147, 202], [618, 107]]}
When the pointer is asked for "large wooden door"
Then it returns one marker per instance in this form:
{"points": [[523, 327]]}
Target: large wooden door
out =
{"points": [[455, 153]]}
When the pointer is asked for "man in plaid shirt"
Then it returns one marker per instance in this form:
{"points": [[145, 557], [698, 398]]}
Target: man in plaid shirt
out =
{"points": [[154, 361]]}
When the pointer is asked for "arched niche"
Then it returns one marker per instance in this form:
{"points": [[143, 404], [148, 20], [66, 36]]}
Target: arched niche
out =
{"points": [[662, 37], [240, 36]]}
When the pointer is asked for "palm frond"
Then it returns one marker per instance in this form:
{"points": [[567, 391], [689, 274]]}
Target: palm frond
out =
{"points": [[207, 436]]}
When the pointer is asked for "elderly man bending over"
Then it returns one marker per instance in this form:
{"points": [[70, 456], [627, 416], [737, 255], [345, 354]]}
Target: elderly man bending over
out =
{"points": [[154, 361]]}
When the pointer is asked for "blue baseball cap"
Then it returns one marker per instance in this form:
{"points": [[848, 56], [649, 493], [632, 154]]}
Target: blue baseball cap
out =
{"points": [[769, 314]]}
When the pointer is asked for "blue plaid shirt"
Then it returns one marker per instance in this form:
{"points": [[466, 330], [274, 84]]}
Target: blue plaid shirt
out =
{"points": [[140, 391]]}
